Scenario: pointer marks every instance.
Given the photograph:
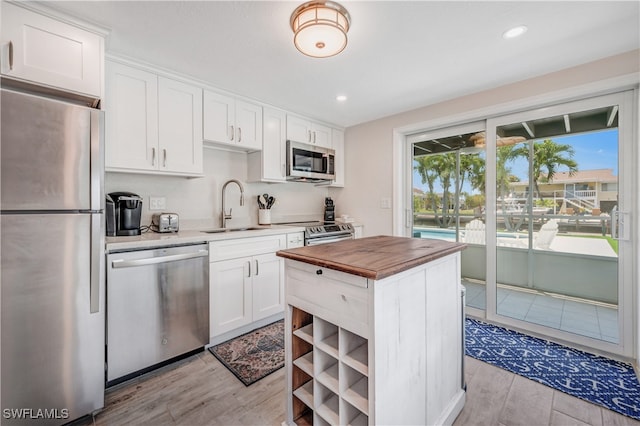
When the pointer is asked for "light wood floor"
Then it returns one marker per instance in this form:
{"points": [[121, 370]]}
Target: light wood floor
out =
{"points": [[201, 391]]}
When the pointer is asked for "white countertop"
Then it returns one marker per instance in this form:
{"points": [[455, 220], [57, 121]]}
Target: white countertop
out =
{"points": [[153, 239]]}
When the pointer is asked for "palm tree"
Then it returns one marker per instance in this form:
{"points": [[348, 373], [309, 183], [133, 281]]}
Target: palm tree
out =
{"points": [[424, 167], [548, 156], [472, 167], [504, 155], [438, 167]]}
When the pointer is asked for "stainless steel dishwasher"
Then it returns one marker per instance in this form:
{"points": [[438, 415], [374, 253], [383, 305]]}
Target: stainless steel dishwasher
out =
{"points": [[157, 307]]}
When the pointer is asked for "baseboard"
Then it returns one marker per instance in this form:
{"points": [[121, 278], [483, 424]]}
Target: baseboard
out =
{"points": [[216, 340], [454, 408]]}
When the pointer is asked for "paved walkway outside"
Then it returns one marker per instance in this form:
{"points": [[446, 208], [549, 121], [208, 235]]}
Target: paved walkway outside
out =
{"points": [[585, 318]]}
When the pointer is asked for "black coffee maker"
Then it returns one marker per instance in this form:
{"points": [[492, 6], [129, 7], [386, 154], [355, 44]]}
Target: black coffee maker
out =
{"points": [[123, 211], [329, 211]]}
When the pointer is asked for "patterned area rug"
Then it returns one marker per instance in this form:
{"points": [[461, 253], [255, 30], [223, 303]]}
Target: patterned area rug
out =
{"points": [[254, 355], [611, 384]]}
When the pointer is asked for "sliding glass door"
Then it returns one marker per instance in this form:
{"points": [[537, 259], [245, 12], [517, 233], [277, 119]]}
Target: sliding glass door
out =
{"points": [[448, 197], [559, 252], [542, 198]]}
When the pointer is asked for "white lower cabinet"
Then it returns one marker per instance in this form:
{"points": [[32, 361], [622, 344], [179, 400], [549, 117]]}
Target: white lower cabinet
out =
{"points": [[246, 282], [230, 295], [362, 351], [267, 285]]}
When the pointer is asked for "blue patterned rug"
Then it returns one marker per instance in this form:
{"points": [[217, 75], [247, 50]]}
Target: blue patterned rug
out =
{"points": [[611, 384]]}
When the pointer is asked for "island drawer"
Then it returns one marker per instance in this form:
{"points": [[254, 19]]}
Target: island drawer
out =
{"points": [[328, 296]]}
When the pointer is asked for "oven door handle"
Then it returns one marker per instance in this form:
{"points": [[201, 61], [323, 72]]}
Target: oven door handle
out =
{"points": [[326, 240]]}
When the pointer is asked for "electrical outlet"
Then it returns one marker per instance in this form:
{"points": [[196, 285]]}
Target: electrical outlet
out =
{"points": [[157, 203], [385, 203]]}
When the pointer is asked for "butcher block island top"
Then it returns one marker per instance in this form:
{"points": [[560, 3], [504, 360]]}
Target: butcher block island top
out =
{"points": [[374, 257]]}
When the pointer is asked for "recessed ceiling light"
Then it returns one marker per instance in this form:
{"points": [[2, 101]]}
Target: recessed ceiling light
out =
{"points": [[341, 98], [514, 32]]}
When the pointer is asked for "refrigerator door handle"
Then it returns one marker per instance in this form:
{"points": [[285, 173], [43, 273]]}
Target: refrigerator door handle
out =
{"points": [[96, 262], [97, 160]]}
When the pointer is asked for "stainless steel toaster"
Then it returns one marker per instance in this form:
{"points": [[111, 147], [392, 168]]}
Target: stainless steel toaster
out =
{"points": [[165, 222]]}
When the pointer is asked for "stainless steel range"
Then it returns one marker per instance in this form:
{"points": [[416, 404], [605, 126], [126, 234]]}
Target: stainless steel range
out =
{"points": [[325, 232]]}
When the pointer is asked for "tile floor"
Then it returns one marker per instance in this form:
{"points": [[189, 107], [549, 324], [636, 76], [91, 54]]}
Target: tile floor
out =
{"points": [[200, 391], [580, 317]]}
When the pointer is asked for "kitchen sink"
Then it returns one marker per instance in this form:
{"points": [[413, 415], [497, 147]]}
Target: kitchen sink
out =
{"points": [[220, 230]]}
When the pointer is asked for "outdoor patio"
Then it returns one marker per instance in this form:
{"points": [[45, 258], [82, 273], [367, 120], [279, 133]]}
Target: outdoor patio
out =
{"points": [[583, 317]]}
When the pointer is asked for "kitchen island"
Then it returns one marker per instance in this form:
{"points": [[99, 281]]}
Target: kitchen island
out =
{"points": [[374, 332]]}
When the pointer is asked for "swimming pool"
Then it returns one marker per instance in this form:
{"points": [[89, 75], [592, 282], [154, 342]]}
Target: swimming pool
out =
{"points": [[448, 234], [437, 233]]}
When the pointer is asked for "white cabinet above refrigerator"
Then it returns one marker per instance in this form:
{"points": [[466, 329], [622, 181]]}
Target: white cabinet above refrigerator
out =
{"points": [[40, 49]]}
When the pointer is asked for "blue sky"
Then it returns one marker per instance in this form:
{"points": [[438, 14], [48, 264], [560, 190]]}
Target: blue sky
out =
{"points": [[595, 150]]}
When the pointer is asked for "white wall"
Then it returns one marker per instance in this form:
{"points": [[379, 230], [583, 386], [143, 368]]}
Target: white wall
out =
{"points": [[198, 201], [369, 146]]}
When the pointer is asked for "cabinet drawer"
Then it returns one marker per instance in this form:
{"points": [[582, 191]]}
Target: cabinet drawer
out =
{"points": [[327, 295], [295, 240], [242, 247]]}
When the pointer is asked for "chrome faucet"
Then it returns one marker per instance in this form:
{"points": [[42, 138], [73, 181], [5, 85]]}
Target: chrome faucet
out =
{"points": [[224, 212]]}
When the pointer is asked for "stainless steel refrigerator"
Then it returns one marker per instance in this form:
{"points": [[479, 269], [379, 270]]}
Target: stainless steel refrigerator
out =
{"points": [[52, 258]]}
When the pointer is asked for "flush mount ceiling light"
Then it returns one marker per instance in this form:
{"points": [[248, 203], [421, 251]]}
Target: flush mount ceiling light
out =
{"points": [[320, 28], [514, 32]]}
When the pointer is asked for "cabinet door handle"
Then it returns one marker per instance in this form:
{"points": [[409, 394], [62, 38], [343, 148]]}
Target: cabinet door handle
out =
{"points": [[314, 137], [153, 156], [239, 134], [249, 268], [309, 131], [257, 270], [232, 132], [164, 158], [6, 57]]}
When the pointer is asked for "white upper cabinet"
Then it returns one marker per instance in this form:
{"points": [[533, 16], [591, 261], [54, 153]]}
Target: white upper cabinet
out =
{"points": [[131, 108], [153, 124], [180, 126], [269, 164], [298, 129], [321, 135], [232, 122], [40, 49], [337, 138], [301, 129]]}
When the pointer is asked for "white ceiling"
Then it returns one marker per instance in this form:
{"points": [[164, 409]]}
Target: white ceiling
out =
{"points": [[401, 54]]}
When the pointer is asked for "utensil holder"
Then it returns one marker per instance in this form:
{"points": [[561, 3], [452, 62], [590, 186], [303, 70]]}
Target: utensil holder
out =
{"points": [[264, 217]]}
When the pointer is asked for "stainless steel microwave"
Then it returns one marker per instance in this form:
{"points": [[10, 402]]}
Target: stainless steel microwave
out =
{"points": [[310, 163]]}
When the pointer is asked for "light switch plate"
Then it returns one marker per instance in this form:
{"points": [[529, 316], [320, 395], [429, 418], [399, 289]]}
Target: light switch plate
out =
{"points": [[385, 203]]}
